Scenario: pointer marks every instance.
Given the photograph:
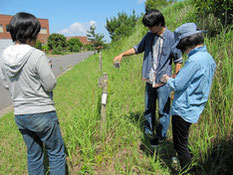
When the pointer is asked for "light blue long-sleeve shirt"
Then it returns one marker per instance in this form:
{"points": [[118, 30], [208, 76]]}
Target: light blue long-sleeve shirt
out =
{"points": [[192, 85]]}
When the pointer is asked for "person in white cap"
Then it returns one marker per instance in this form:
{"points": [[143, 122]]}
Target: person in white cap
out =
{"points": [[191, 86]]}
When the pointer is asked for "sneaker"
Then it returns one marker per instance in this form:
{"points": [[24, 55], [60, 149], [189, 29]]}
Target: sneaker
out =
{"points": [[148, 133], [175, 164], [175, 160]]}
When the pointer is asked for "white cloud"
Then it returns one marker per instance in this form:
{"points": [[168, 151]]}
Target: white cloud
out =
{"points": [[77, 29], [141, 1]]}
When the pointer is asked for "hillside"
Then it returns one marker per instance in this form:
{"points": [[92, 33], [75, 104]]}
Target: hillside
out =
{"points": [[120, 147]]}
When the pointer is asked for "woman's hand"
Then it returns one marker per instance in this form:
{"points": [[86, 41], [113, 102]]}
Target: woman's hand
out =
{"points": [[164, 78]]}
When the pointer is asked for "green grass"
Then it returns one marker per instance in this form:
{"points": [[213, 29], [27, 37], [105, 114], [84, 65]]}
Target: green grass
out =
{"points": [[120, 148]]}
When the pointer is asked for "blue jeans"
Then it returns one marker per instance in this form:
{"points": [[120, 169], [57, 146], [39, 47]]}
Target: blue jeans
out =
{"points": [[162, 94], [38, 129]]}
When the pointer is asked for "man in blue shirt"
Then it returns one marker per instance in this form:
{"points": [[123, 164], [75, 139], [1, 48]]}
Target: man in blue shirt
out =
{"points": [[192, 87], [157, 61]]}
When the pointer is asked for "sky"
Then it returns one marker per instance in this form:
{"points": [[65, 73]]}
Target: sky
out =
{"points": [[74, 17]]}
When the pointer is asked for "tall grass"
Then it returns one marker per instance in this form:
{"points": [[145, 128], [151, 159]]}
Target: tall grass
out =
{"points": [[120, 148], [215, 151]]}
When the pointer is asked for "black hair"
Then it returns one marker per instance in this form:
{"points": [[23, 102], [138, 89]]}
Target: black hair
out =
{"points": [[153, 18], [24, 27], [190, 41]]}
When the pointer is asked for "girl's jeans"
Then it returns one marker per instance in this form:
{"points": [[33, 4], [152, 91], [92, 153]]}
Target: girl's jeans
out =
{"points": [[38, 129], [162, 94]]}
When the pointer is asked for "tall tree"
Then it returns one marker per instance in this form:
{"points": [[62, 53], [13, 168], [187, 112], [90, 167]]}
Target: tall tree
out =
{"points": [[95, 38], [122, 25]]}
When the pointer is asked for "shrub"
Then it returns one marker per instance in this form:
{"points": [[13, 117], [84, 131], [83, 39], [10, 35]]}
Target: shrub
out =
{"points": [[156, 4], [74, 45], [213, 14], [58, 50], [88, 47], [45, 48], [38, 45]]}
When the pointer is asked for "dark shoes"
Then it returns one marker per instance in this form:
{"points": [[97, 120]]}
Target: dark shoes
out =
{"points": [[157, 141]]}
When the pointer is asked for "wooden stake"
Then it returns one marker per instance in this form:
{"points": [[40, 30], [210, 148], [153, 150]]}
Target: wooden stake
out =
{"points": [[104, 100]]}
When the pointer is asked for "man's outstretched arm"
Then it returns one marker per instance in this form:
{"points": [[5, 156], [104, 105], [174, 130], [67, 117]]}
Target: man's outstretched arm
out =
{"points": [[126, 53]]}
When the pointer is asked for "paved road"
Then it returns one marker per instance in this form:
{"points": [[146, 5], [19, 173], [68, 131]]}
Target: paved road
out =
{"points": [[60, 65]]}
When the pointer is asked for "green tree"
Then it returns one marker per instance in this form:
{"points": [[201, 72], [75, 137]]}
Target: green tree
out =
{"points": [[55, 40], [122, 25], [95, 38], [74, 44]]}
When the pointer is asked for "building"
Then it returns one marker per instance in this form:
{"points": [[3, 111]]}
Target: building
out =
{"points": [[5, 34], [83, 39]]}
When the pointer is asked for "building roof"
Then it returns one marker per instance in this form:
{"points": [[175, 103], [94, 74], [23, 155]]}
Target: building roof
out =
{"points": [[83, 39]]}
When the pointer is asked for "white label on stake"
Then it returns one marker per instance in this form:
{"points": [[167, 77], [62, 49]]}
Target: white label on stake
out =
{"points": [[104, 99]]}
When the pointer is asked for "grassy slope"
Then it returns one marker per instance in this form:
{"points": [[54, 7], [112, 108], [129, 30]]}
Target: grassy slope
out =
{"points": [[118, 149]]}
